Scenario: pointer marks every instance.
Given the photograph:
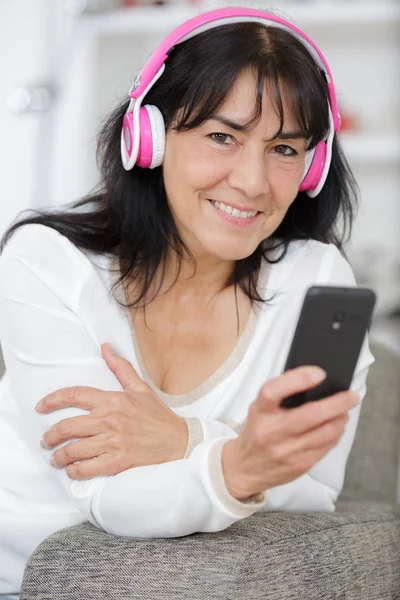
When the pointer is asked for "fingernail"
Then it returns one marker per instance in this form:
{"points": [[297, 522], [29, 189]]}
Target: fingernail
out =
{"points": [[356, 398], [39, 406], [109, 348], [52, 461], [316, 373], [43, 443]]}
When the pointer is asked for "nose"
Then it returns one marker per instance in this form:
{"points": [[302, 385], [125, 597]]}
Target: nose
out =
{"points": [[249, 173]]}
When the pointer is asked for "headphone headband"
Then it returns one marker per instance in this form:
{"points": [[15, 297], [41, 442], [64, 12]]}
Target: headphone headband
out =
{"points": [[224, 16]]}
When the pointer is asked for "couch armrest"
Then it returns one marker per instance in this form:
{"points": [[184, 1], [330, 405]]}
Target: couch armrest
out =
{"points": [[353, 554], [373, 466]]}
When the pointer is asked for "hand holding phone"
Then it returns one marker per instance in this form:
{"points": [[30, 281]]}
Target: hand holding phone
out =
{"points": [[275, 446]]}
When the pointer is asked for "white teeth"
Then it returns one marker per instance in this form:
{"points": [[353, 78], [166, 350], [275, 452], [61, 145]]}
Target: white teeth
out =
{"points": [[234, 211]]}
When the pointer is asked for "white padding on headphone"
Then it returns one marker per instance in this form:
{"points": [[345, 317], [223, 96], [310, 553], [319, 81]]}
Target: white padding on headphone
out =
{"points": [[158, 135], [134, 106], [309, 159]]}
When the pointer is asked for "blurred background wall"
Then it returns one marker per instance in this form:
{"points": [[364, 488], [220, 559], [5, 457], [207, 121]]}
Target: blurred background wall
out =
{"points": [[65, 63]]}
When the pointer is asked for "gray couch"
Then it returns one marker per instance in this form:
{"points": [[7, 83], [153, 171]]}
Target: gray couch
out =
{"points": [[352, 554]]}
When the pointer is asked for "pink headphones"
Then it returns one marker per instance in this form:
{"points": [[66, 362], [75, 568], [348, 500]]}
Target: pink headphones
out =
{"points": [[143, 130]]}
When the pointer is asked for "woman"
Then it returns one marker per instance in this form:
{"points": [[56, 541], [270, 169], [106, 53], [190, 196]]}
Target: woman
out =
{"points": [[192, 261]]}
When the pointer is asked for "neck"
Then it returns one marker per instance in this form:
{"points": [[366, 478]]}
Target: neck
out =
{"points": [[202, 282], [205, 279]]}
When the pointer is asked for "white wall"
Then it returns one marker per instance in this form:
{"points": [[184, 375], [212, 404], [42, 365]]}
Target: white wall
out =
{"points": [[24, 60]]}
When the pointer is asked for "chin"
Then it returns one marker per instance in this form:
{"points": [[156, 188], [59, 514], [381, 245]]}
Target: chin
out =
{"points": [[230, 254]]}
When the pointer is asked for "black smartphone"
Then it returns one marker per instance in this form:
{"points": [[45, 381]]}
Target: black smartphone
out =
{"points": [[330, 332]]}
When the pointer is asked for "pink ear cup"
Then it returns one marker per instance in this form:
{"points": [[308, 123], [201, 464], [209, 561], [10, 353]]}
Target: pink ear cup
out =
{"points": [[316, 169], [145, 143], [127, 127], [145, 152], [152, 136]]}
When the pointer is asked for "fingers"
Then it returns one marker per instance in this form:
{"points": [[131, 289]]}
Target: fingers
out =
{"points": [[287, 384], [78, 396], [298, 455], [99, 466], [313, 414], [123, 370], [327, 434], [299, 463], [75, 427], [87, 448], [89, 398]]}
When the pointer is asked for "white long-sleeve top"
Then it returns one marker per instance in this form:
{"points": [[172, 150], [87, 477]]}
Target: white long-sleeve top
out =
{"points": [[56, 309]]}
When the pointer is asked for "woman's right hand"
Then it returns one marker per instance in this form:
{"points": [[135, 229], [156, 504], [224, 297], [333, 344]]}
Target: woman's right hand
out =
{"points": [[277, 445]]}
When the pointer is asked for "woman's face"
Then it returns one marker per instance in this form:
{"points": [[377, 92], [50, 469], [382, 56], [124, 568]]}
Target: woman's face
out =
{"points": [[228, 189]]}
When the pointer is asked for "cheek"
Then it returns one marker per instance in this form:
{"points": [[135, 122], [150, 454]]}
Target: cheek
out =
{"points": [[190, 170], [284, 186], [204, 168], [286, 178]]}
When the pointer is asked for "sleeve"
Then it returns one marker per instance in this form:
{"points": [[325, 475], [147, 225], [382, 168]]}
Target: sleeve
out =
{"points": [[207, 429], [319, 489], [46, 347]]}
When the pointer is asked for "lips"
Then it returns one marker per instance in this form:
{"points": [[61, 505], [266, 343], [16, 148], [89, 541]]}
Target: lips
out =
{"points": [[235, 206], [236, 218]]}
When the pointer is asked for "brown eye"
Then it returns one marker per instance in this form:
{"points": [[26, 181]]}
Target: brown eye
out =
{"points": [[282, 149], [220, 138]]}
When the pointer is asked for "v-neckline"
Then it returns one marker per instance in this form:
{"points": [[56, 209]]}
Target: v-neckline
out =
{"points": [[222, 372]]}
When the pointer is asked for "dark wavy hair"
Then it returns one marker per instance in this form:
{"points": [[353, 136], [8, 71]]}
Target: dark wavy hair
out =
{"points": [[127, 216]]}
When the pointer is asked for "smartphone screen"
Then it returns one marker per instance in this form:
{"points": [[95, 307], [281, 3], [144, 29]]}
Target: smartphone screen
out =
{"points": [[330, 332]]}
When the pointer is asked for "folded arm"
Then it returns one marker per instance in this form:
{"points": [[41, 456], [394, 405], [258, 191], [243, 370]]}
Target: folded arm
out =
{"points": [[47, 347]]}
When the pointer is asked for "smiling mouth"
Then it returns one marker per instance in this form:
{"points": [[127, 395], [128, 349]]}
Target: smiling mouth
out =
{"points": [[234, 212]]}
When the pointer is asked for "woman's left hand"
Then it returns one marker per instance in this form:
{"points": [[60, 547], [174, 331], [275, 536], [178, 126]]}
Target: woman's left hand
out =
{"points": [[126, 429]]}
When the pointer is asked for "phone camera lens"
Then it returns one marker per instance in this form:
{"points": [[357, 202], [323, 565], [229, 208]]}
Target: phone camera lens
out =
{"points": [[339, 317]]}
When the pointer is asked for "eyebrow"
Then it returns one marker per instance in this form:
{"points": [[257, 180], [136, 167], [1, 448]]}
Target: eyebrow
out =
{"points": [[284, 135]]}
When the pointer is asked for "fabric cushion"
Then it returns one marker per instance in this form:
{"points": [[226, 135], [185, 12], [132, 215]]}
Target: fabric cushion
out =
{"points": [[372, 467], [352, 554]]}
